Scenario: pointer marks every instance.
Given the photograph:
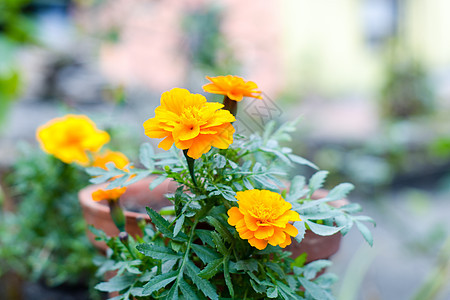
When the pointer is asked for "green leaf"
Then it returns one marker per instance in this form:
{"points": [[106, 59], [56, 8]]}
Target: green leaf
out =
{"points": [[340, 191], [302, 161], [146, 156], [365, 232], [322, 229], [218, 241], [205, 236], [311, 269], [139, 175], [203, 285], [351, 208], [163, 226], [157, 181], [157, 252], [226, 273], [116, 284], [314, 290], [219, 161], [187, 290], [178, 225], [160, 223], [300, 225], [365, 219], [204, 253], [220, 228], [250, 265], [300, 260], [272, 292], [316, 181], [297, 188], [159, 282], [211, 269]]}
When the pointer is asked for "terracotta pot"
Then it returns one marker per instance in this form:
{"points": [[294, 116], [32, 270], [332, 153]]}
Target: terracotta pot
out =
{"points": [[317, 246], [136, 198]]}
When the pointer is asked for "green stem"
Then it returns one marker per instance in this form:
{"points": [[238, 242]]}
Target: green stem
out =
{"points": [[186, 254], [190, 162], [230, 105], [117, 214]]}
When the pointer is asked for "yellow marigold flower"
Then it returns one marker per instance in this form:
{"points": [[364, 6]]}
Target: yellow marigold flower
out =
{"points": [[234, 87], [113, 194], [69, 137], [191, 123], [263, 218], [117, 158]]}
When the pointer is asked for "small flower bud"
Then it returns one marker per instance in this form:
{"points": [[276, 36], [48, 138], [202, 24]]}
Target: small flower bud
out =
{"points": [[123, 237], [167, 168]]}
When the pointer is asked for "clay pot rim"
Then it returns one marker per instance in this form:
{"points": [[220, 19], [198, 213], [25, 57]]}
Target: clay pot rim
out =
{"points": [[85, 197]]}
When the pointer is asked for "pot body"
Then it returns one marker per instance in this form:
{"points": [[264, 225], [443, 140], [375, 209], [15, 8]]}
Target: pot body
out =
{"points": [[134, 200]]}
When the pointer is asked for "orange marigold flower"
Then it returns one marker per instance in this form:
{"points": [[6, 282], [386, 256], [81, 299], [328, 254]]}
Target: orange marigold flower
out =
{"points": [[234, 87], [263, 218], [69, 138], [113, 194], [117, 158], [191, 123]]}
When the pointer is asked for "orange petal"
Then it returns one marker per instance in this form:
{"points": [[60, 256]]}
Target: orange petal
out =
{"points": [[234, 216], [291, 230], [264, 232], [251, 222], [257, 243], [278, 237]]}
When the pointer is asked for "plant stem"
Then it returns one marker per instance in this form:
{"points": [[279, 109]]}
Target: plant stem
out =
{"points": [[190, 162], [230, 105]]}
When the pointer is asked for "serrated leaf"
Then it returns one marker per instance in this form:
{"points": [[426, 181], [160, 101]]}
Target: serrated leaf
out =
{"points": [[300, 225], [159, 282], [96, 171], [203, 285], [187, 290], [219, 161], [247, 184], [218, 242], [220, 228], [139, 176], [302, 161], [204, 253], [365, 232], [178, 225], [322, 229], [351, 208], [314, 290], [316, 181], [226, 273], [365, 219], [146, 156], [160, 223], [340, 191], [250, 265], [205, 236], [118, 182], [157, 252], [157, 181], [211, 269], [272, 292], [311, 269], [116, 283]]}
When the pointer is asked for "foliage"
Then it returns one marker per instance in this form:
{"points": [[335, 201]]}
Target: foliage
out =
{"points": [[45, 238], [196, 254]]}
